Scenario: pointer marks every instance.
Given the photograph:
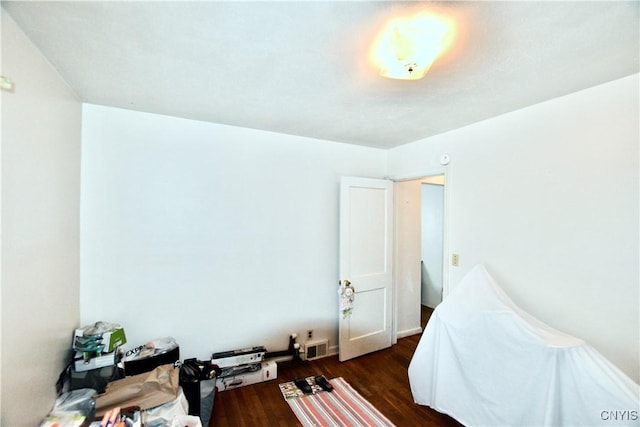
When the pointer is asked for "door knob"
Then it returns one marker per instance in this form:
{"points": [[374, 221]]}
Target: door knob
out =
{"points": [[347, 295], [348, 288]]}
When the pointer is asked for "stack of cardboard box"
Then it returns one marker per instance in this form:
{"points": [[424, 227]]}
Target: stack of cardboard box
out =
{"points": [[243, 367], [96, 356]]}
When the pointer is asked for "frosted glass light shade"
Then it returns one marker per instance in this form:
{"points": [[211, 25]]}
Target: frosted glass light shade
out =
{"points": [[407, 47]]}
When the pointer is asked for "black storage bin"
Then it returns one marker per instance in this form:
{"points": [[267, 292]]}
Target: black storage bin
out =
{"points": [[198, 382], [96, 379]]}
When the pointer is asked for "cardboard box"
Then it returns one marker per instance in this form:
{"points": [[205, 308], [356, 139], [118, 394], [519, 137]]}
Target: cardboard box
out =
{"points": [[98, 362], [269, 371], [242, 356], [111, 340]]}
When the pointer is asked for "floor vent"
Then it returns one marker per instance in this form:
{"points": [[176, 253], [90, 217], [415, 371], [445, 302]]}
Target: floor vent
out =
{"points": [[316, 349]]}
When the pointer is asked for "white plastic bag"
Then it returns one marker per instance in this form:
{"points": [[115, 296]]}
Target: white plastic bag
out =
{"points": [[186, 421], [164, 415]]}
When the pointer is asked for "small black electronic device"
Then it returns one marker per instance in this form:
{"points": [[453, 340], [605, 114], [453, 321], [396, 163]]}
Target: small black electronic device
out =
{"points": [[322, 382], [303, 385]]}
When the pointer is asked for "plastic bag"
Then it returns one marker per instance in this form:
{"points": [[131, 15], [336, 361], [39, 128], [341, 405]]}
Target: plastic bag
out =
{"points": [[151, 348], [164, 414], [72, 408], [186, 421]]}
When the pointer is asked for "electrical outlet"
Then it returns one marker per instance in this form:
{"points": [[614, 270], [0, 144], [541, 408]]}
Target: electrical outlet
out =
{"points": [[309, 334], [455, 260]]}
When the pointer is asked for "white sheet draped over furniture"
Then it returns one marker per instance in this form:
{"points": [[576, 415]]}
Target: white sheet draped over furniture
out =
{"points": [[484, 361]]}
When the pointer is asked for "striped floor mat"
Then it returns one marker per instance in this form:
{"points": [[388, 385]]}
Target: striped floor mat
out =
{"points": [[342, 407]]}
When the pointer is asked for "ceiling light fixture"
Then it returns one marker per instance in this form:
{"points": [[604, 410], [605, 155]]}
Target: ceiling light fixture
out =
{"points": [[406, 47]]}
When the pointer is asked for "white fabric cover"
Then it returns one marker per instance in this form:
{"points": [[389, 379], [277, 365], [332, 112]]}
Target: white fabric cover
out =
{"points": [[484, 361]]}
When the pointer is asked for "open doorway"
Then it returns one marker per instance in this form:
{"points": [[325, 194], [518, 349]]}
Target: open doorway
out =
{"points": [[432, 245], [408, 212], [432, 234]]}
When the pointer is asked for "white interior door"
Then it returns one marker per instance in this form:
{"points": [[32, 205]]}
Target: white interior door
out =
{"points": [[366, 260]]}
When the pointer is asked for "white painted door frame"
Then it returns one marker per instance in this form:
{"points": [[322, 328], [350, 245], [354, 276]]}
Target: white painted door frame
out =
{"points": [[448, 188]]}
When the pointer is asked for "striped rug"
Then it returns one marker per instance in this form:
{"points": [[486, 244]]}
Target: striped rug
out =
{"points": [[341, 407]]}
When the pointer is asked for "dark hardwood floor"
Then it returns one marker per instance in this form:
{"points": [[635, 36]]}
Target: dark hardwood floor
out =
{"points": [[425, 314], [380, 377]]}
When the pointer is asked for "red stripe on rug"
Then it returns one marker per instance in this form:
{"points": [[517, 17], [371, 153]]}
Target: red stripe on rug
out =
{"points": [[344, 407]]}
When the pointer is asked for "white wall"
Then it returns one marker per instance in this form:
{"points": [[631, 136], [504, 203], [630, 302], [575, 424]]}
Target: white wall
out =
{"points": [[432, 240], [221, 237], [40, 228], [547, 198]]}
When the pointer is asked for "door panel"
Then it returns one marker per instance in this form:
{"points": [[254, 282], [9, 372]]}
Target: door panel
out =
{"points": [[367, 250], [366, 255], [362, 325]]}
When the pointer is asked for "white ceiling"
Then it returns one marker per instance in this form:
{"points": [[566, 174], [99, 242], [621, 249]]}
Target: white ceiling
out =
{"points": [[302, 68]]}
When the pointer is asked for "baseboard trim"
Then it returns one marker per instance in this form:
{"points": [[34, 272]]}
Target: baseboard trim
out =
{"points": [[409, 332], [333, 350]]}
